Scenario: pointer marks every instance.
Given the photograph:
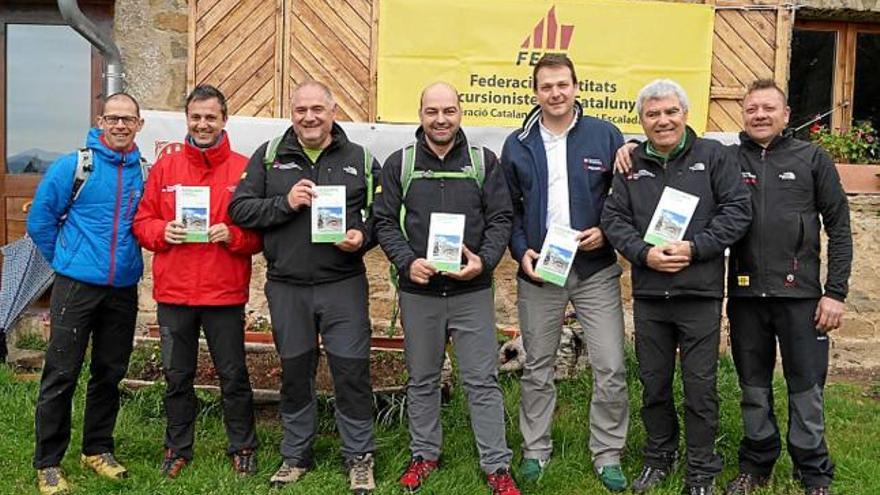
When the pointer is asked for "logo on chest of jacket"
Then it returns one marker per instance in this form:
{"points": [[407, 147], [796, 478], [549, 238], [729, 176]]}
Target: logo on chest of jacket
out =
{"points": [[787, 176], [594, 165], [171, 188], [350, 170], [749, 178], [698, 167], [286, 166], [638, 174], [230, 188]]}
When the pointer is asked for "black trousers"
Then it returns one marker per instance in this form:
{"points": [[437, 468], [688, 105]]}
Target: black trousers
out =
{"points": [[756, 325], [690, 325], [224, 331], [79, 311]]}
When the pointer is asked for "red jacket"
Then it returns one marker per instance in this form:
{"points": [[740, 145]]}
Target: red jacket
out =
{"points": [[196, 274]]}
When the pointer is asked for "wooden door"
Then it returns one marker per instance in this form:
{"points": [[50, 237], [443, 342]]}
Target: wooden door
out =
{"points": [[50, 91]]}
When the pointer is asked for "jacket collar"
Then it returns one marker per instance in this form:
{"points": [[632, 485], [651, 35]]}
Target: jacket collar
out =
{"points": [[290, 144], [690, 136], [780, 140], [459, 143], [531, 121], [218, 153], [95, 142]]}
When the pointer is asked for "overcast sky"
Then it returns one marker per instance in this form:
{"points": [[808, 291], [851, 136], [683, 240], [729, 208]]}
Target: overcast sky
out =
{"points": [[48, 71]]}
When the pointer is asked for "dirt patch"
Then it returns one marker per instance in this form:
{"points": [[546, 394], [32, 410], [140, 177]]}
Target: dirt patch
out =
{"points": [[387, 369]]}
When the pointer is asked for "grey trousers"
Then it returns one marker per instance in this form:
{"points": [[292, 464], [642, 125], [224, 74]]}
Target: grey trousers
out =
{"points": [[596, 301], [428, 322], [339, 312]]}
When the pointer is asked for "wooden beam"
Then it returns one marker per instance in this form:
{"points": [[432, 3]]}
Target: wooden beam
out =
{"points": [[191, 46], [784, 26], [727, 92], [275, 107], [374, 62]]}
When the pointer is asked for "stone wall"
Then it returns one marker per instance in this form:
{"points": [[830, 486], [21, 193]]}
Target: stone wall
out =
{"points": [[152, 36]]}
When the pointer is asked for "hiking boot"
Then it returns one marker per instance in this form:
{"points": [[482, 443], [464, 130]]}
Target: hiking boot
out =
{"points": [[360, 474], [501, 483], [699, 490], [287, 474], [105, 465], [649, 478], [817, 490], [746, 483], [172, 464], [531, 470], [244, 462], [612, 477], [51, 481], [416, 473]]}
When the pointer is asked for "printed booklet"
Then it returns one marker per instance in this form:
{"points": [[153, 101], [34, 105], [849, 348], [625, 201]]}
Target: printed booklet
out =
{"points": [[671, 217], [557, 254], [328, 214], [192, 209], [445, 237]]}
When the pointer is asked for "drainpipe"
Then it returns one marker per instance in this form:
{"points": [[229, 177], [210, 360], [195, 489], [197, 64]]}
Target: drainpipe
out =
{"points": [[113, 75]]}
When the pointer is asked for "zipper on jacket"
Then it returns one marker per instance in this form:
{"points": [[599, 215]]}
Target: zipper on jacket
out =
{"points": [[116, 212], [763, 257]]}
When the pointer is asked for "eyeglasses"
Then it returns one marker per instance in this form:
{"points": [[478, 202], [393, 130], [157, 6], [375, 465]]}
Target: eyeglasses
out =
{"points": [[128, 120]]}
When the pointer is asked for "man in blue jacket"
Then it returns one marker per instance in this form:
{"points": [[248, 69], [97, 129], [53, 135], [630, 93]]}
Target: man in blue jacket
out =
{"points": [[85, 233], [559, 170]]}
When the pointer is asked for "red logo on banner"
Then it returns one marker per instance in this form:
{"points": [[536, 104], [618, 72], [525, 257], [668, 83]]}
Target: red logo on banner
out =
{"points": [[547, 36]]}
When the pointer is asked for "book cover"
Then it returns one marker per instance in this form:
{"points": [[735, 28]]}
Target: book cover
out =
{"points": [[671, 217], [192, 208], [328, 214], [557, 254], [445, 238]]}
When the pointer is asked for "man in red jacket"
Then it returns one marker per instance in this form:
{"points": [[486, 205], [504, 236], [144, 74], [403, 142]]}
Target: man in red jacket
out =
{"points": [[200, 284]]}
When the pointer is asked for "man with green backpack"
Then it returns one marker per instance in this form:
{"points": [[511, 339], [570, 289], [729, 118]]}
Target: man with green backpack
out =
{"points": [[441, 202], [316, 279]]}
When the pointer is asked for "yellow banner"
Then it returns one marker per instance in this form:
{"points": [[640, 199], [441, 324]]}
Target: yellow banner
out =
{"points": [[486, 49]]}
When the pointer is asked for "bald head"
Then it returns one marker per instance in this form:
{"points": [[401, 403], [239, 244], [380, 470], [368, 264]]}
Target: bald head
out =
{"points": [[440, 116], [438, 90], [313, 85]]}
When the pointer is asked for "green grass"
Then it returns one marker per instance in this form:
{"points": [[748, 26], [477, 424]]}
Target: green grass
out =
{"points": [[853, 432], [31, 341]]}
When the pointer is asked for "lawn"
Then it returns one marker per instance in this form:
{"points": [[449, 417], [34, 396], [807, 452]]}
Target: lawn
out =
{"points": [[853, 424]]}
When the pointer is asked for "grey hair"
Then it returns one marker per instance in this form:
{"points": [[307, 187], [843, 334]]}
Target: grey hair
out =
{"points": [[661, 88]]}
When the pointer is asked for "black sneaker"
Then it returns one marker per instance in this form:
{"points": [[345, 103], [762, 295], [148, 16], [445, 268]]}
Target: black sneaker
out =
{"points": [[746, 483], [649, 478], [699, 490], [244, 462]]}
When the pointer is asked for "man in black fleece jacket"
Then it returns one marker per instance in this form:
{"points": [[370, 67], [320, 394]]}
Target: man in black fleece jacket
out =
{"points": [[678, 285], [776, 295], [311, 287], [443, 174]]}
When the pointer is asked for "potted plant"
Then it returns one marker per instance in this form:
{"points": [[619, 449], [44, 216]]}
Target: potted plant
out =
{"points": [[856, 153]]}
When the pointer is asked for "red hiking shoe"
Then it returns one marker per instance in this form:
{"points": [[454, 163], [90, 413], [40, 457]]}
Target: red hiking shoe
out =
{"points": [[501, 483], [416, 473]]}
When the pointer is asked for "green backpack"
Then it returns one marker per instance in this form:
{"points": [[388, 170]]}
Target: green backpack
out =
{"points": [[475, 171]]}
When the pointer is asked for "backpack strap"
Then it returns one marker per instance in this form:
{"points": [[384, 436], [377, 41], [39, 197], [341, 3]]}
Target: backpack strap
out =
{"points": [[272, 151], [145, 169], [81, 174], [478, 163], [368, 180]]}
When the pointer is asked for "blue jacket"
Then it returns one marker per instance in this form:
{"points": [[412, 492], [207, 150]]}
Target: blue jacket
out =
{"points": [[590, 147], [95, 245]]}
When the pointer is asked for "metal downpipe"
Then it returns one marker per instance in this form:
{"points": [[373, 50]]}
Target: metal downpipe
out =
{"points": [[114, 77]]}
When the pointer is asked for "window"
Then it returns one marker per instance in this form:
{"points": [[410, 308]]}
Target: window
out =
{"points": [[833, 69], [48, 94]]}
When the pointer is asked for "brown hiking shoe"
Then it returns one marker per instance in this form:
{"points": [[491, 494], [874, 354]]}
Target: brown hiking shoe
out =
{"points": [[360, 474], [287, 474], [746, 483], [173, 464]]}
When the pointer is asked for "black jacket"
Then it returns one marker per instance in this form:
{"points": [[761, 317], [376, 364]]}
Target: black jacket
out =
{"points": [[792, 183], [488, 214], [704, 168], [260, 203]]}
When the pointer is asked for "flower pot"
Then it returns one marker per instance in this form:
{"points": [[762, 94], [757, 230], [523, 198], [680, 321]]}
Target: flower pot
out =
{"points": [[249, 336], [859, 179]]}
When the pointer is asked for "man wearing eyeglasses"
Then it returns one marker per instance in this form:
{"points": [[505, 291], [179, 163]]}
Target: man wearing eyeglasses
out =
{"points": [[83, 228]]}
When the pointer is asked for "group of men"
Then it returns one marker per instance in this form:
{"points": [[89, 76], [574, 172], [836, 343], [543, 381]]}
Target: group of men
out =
{"points": [[763, 200]]}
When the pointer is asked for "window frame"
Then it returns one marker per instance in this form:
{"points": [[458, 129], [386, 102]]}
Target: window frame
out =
{"points": [[844, 69]]}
